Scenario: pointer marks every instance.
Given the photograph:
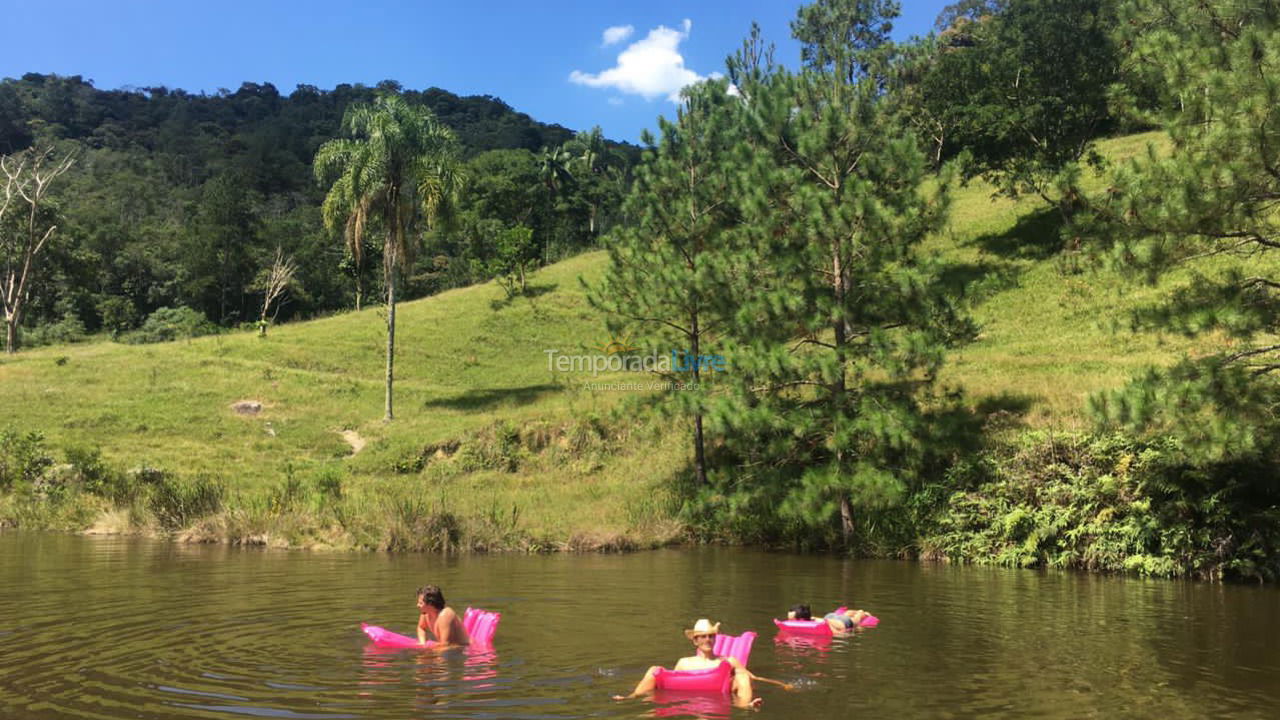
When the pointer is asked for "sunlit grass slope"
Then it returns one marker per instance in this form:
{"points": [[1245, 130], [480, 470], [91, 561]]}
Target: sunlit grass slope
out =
{"points": [[469, 361]]}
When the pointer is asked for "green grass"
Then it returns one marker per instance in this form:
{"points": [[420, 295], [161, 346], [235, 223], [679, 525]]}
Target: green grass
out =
{"points": [[468, 361]]}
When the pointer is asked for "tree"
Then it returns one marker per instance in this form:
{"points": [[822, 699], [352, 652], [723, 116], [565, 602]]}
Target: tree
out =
{"points": [[26, 226], [668, 278], [1213, 197], [845, 37], [275, 282], [590, 159], [219, 248], [397, 164], [965, 11], [841, 338], [1021, 85], [515, 254]]}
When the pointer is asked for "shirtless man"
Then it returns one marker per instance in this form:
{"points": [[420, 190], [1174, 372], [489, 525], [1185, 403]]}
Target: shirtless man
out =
{"points": [[439, 619], [703, 636]]}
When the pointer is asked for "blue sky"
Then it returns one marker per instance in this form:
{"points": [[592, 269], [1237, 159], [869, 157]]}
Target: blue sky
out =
{"points": [[550, 59]]}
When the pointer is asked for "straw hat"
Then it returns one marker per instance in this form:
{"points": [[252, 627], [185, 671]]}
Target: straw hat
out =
{"points": [[703, 627]]}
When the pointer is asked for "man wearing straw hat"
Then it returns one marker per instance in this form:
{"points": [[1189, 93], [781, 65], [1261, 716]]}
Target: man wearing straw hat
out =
{"points": [[703, 634]]}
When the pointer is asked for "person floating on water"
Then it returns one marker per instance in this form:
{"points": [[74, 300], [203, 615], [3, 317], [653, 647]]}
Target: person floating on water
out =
{"points": [[839, 621], [439, 619], [703, 634]]}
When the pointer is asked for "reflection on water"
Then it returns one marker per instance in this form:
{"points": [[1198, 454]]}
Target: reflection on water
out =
{"points": [[116, 628]]}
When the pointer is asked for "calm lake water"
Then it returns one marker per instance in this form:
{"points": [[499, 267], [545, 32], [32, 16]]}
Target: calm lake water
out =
{"points": [[126, 628]]}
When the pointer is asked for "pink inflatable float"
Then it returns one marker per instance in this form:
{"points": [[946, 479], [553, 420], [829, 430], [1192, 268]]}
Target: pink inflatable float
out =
{"points": [[819, 627], [716, 679], [479, 624]]}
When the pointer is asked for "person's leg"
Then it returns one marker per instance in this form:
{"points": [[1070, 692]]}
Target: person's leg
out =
{"points": [[857, 616], [743, 693]]}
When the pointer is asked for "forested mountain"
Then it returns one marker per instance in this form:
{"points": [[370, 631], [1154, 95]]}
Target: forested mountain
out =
{"points": [[181, 200]]}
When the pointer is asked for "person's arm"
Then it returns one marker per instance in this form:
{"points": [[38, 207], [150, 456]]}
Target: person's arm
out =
{"points": [[739, 667], [422, 629]]}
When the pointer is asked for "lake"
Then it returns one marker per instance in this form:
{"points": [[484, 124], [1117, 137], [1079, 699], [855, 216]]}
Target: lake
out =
{"points": [[95, 627]]}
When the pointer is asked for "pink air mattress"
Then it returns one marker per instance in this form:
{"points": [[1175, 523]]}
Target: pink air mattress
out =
{"points": [[818, 627], [479, 624], [716, 679]]}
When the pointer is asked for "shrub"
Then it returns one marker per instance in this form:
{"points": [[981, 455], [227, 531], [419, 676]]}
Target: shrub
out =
{"points": [[23, 458], [168, 324], [118, 314], [67, 330], [328, 482], [414, 526], [1114, 503], [176, 504]]}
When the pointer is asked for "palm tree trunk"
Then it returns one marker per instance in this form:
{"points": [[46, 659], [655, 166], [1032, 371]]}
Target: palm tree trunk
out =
{"points": [[391, 335]]}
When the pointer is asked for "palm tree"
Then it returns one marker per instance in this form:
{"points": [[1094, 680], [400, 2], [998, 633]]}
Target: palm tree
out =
{"points": [[554, 169], [398, 164], [592, 151]]}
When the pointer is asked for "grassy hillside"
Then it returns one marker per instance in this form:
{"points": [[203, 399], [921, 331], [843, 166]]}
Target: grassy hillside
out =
{"points": [[471, 367]]}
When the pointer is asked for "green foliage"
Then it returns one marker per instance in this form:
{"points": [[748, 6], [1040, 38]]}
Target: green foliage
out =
{"points": [[328, 483], [1020, 87], [23, 458], [844, 328], [118, 314], [176, 503], [513, 259], [845, 37], [1213, 195], [1113, 504], [67, 330], [167, 324], [671, 281], [177, 199], [416, 526]]}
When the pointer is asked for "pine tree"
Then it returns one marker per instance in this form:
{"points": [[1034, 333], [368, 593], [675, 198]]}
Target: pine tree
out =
{"points": [[670, 278], [845, 327], [1215, 194]]}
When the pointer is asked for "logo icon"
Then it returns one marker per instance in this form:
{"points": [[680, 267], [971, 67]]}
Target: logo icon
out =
{"points": [[618, 347]]}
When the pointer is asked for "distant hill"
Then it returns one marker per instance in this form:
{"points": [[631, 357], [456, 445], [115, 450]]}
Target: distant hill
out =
{"points": [[180, 199], [161, 119]]}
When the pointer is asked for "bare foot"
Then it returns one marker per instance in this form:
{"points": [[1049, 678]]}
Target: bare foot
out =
{"points": [[756, 703]]}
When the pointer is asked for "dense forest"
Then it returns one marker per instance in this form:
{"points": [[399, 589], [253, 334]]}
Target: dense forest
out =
{"points": [[177, 202]]}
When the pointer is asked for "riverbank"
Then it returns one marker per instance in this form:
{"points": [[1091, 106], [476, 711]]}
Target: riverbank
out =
{"points": [[1037, 499]]}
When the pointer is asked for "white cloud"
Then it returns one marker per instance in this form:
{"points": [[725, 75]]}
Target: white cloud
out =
{"points": [[617, 34], [652, 67]]}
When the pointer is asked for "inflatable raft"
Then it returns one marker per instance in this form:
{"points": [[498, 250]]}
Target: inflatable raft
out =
{"points": [[715, 679], [479, 624]]}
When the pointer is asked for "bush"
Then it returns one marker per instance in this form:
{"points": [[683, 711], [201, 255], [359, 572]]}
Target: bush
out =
{"points": [[67, 330], [168, 324], [1113, 503], [328, 482], [176, 504], [413, 526], [118, 314], [23, 458]]}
